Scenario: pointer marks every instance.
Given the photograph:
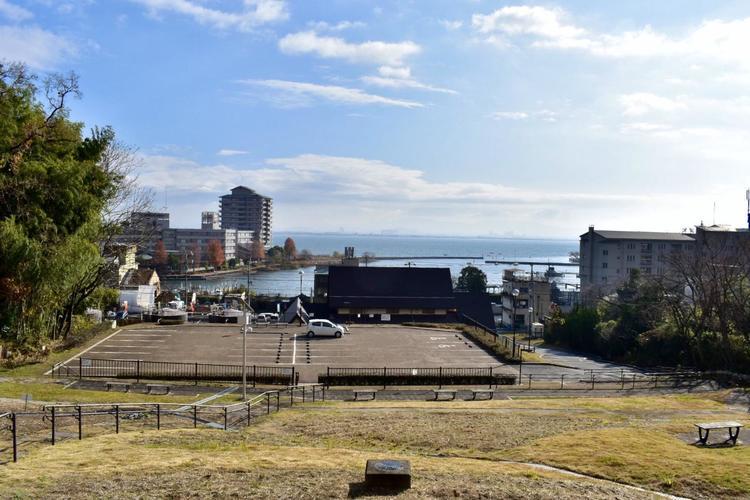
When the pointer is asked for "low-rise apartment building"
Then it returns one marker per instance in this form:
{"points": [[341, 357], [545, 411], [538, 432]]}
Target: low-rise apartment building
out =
{"points": [[608, 257]]}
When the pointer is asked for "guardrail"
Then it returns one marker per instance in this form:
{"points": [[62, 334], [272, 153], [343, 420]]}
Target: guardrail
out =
{"points": [[415, 376], [72, 421], [166, 370]]}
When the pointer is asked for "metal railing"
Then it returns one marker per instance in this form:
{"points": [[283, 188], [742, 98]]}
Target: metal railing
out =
{"points": [[439, 376], [51, 423], [166, 370]]}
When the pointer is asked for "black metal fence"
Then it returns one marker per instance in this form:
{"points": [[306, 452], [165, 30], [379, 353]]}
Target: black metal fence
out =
{"points": [[415, 376], [166, 370], [50, 424]]}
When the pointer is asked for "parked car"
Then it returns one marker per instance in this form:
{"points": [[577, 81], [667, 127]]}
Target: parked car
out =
{"points": [[267, 318], [325, 327]]}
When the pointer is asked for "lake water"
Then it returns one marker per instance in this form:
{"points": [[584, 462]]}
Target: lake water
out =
{"points": [[287, 283]]}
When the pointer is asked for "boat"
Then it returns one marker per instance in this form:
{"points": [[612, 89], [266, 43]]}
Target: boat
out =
{"points": [[224, 314], [171, 316]]}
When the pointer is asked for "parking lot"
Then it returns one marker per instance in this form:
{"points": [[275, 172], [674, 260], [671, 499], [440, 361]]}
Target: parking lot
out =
{"points": [[364, 346]]}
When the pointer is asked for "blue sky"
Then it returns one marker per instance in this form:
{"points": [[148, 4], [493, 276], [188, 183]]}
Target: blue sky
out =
{"points": [[462, 117]]}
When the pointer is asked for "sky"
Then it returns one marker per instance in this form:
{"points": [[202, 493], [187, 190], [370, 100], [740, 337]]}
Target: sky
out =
{"points": [[441, 117]]}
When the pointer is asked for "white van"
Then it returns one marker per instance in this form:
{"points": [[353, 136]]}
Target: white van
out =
{"points": [[325, 327]]}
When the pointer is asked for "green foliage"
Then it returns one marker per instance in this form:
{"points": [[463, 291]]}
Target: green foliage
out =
{"points": [[472, 279], [103, 298], [53, 191]]}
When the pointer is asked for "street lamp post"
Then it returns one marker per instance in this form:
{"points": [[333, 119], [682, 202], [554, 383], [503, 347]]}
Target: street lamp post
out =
{"points": [[531, 310], [514, 293], [301, 273]]}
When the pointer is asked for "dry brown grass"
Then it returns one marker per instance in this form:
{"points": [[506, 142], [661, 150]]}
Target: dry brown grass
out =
{"points": [[456, 449], [119, 466]]}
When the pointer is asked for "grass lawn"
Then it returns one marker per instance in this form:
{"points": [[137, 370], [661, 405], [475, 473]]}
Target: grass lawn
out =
{"points": [[465, 449], [38, 369]]}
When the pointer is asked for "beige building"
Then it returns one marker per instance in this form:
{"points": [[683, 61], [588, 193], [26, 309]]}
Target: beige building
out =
{"points": [[533, 290], [608, 257]]}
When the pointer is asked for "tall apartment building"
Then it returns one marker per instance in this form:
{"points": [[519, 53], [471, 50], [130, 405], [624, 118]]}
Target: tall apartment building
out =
{"points": [[608, 257], [244, 209]]}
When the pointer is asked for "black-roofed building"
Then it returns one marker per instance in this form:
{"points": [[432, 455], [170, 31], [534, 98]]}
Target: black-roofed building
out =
{"points": [[395, 294]]}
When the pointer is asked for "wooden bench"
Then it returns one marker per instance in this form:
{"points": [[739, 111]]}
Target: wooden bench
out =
{"points": [[476, 392], [123, 385], [731, 426], [371, 392], [447, 392], [165, 388]]}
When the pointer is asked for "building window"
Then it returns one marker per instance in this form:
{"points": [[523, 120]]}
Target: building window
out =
{"points": [[604, 279], [631, 246], [630, 258], [604, 265], [605, 252], [662, 246]]}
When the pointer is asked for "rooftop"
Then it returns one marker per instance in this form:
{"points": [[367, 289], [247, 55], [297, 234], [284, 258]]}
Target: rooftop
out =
{"points": [[642, 235]]}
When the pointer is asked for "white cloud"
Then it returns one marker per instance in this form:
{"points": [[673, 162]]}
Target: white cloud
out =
{"points": [[253, 13], [34, 46], [231, 152], [370, 52], [545, 115], [510, 115], [451, 25], [641, 103], [14, 12], [397, 83], [339, 26], [302, 93], [713, 41], [400, 77], [378, 195]]}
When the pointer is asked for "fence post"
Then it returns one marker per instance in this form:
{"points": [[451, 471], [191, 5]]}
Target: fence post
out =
{"points": [[80, 369], [268, 403], [530, 375], [158, 416], [440, 377], [53, 426], [328, 376], [137, 371], [622, 379], [562, 381], [225, 418], [117, 419], [491, 378], [278, 400], [80, 423], [14, 429], [195, 416], [656, 378], [253, 376], [291, 396], [195, 374], [633, 380], [384, 375], [248, 413], [303, 393]]}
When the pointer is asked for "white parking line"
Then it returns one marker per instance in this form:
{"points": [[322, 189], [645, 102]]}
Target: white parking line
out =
{"points": [[85, 350], [294, 350], [119, 352]]}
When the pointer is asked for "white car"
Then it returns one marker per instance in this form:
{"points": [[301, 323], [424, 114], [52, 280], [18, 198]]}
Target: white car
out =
{"points": [[325, 327], [267, 318]]}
